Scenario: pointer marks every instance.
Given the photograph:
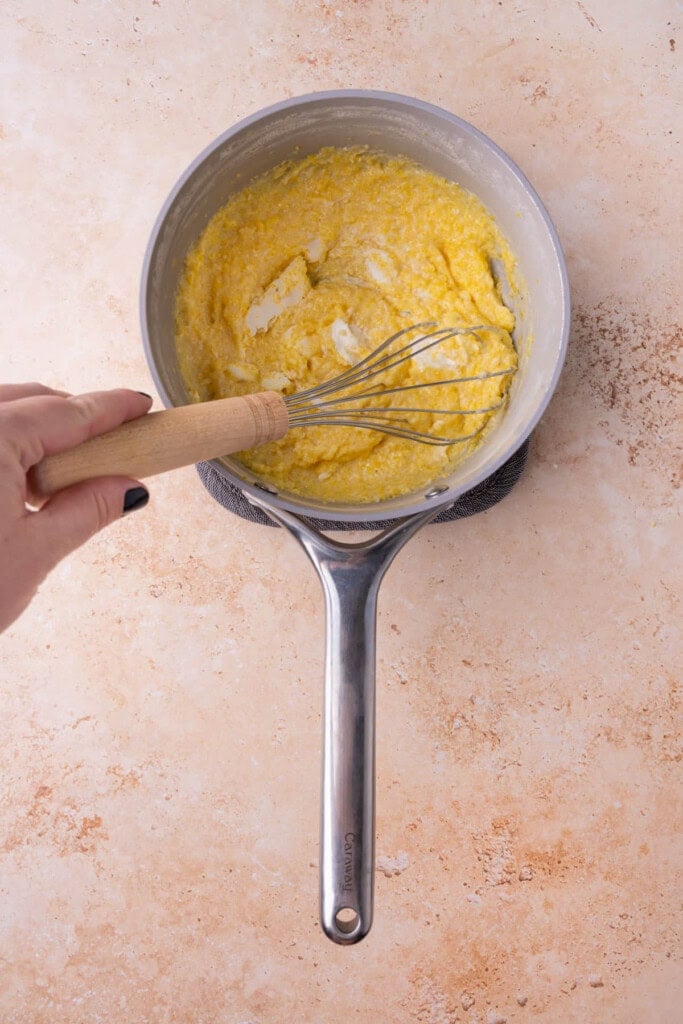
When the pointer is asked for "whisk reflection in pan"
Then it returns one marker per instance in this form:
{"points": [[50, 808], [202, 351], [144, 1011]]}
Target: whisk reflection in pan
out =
{"points": [[161, 441]]}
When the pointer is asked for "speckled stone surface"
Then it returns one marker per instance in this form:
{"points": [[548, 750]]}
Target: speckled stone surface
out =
{"points": [[160, 700]]}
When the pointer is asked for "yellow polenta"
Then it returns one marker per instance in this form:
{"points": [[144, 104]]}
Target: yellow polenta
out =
{"points": [[309, 268]]}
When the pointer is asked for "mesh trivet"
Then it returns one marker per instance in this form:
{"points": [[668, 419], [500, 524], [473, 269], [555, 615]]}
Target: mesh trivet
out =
{"points": [[479, 499]]}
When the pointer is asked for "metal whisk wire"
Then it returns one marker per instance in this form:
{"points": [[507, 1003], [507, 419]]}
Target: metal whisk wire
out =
{"points": [[326, 403]]}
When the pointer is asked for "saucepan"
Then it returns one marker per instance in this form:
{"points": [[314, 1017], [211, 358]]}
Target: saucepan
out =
{"points": [[351, 572]]}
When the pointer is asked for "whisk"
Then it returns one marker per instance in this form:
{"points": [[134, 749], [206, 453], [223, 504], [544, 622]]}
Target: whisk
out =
{"points": [[328, 404], [161, 441]]}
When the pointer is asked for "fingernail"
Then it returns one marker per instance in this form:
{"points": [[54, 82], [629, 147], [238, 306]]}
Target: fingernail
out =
{"points": [[145, 395], [135, 497]]}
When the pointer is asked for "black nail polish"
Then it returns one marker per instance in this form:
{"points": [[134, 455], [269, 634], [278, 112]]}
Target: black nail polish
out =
{"points": [[144, 394], [135, 497]]}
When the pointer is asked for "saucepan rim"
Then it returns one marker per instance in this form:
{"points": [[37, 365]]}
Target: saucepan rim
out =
{"points": [[434, 496]]}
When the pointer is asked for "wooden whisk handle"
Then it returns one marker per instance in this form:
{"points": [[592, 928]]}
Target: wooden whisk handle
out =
{"points": [[167, 440]]}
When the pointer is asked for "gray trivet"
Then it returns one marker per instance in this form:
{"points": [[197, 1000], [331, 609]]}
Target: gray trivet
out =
{"points": [[479, 499]]}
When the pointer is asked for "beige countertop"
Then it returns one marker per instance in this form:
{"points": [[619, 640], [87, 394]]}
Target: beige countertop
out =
{"points": [[160, 700]]}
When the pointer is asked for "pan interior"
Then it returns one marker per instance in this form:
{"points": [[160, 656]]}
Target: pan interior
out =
{"points": [[443, 144]]}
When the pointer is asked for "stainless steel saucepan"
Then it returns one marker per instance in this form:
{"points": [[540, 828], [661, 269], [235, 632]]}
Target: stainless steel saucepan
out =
{"points": [[351, 572]]}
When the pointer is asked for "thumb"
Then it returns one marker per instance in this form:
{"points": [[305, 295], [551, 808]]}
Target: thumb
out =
{"points": [[76, 513]]}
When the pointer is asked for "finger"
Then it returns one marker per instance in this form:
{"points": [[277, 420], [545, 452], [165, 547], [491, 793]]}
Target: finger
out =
{"points": [[74, 515], [42, 425], [9, 392]]}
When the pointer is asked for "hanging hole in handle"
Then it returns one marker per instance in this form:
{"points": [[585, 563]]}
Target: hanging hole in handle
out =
{"points": [[347, 919]]}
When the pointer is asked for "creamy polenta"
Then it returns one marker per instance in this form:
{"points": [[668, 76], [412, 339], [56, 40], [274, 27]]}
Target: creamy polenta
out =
{"points": [[314, 264]]}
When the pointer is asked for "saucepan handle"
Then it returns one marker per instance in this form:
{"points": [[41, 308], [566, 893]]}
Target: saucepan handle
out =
{"points": [[351, 575], [347, 853]]}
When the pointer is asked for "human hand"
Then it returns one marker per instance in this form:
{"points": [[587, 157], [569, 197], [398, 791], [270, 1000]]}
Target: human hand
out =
{"points": [[34, 422]]}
